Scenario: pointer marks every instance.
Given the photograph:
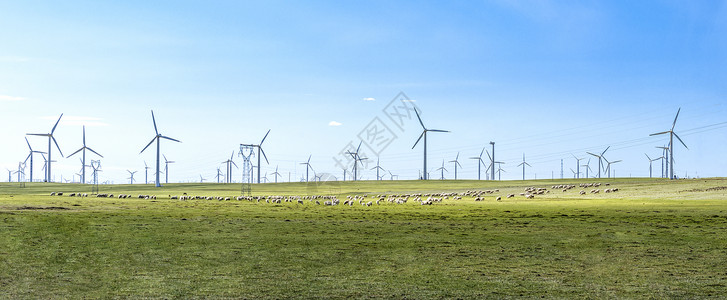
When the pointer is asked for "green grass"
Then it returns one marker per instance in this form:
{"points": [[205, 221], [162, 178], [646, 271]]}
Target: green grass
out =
{"points": [[652, 239]]}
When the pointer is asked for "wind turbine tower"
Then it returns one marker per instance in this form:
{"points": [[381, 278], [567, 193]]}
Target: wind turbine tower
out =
{"points": [[442, 168], [83, 156], [578, 166], [492, 163], [456, 162], [30, 156], [131, 176], [479, 164], [378, 168], [672, 134], [600, 158], [424, 135], [307, 167], [50, 137], [356, 160], [524, 163], [157, 138], [166, 169]]}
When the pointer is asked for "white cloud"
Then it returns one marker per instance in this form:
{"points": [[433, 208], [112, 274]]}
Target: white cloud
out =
{"points": [[334, 123], [10, 98], [369, 99]]}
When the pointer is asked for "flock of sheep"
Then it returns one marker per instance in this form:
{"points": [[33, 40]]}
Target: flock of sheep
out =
{"points": [[368, 200]]}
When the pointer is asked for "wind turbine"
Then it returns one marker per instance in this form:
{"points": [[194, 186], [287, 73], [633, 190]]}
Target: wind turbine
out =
{"points": [[499, 170], [574, 173], [578, 166], [201, 179], [157, 138], [307, 166], [21, 171], [50, 137], [456, 162], [378, 168], [672, 134], [665, 161], [260, 150], [442, 168], [30, 156], [146, 173], [265, 177], [524, 163], [424, 134], [229, 164], [392, 175], [492, 160], [651, 161], [83, 155], [608, 166], [276, 174], [131, 176], [219, 174], [166, 169], [588, 167], [10, 174], [479, 164], [600, 157], [45, 166], [356, 160]]}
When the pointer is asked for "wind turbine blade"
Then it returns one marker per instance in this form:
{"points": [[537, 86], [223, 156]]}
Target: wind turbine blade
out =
{"points": [[266, 136], [232, 155], [57, 147], [54, 126], [420, 137], [84, 135], [359, 147], [653, 134], [147, 146], [592, 154], [488, 155], [309, 159], [155, 122], [528, 165], [483, 152], [31, 148], [28, 157], [420, 119], [675, 119], [522, 163], [166, 161], [171, 139], [613, 162], [604, 151], [647, 156], [263, 152], [89, 149], [79, 150], [680, 140], [38, 134], [438, 130]]}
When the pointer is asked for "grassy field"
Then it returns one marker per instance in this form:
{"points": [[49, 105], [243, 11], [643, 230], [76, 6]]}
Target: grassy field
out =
{"points": [[652, 239]]}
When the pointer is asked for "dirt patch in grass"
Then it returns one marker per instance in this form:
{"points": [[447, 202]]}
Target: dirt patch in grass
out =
{"points": [[712, 189], [42, 208]]}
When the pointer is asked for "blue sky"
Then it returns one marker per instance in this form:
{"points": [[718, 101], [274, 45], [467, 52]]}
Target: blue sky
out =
{"points": [[544, 78]]}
